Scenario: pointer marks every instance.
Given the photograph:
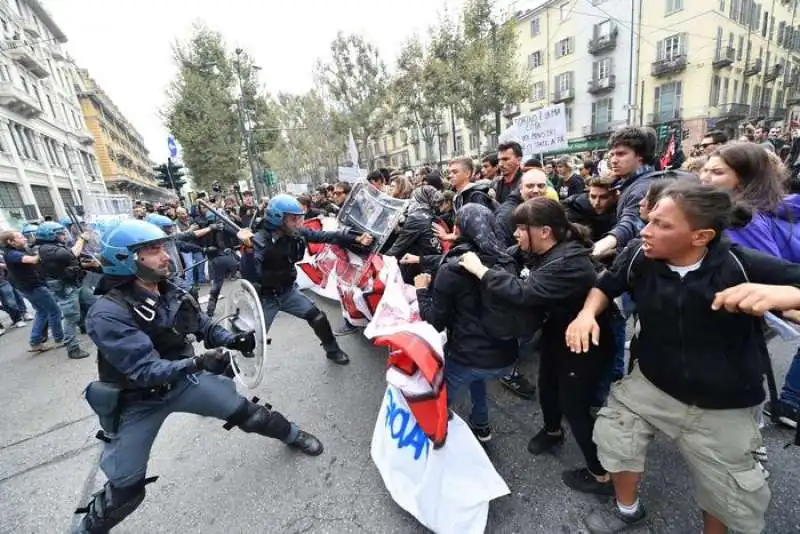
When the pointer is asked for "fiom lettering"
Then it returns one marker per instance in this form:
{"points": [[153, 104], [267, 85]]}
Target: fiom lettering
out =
{"points": [[397, 422]]}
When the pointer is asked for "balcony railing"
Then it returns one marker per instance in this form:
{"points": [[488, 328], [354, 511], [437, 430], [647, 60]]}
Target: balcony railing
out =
{"points": [[563, 95], [18, 101], [511, 110], [793, 98], [772, 73], [673, 65], [600, 85], [724, 57], [598, 128], [733, 110], [753, 67], [778, 114], [759, 111], [25, 55], [665, 115], [603, 43]]}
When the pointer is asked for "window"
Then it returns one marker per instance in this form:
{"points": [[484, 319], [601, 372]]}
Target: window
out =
{"points": [[64, 113], [602, 69], [443, 143], [536, 27], [66, 196], [44, 200], [771, 27], [416, 151], [723, 99], [568, 117], [745, 93], [602, 114], [673, 6], [667, 102], [459, 145], [735, 93], [733, 14], [474, 142], [766, 98], [602, 29], [535, 60], [564, 11], [713, 100], [756, 102], [538, 92], [89, 165], [565, 47], [672, 47], [563, 82], [23, 141], [740, 49], [10, 196], [765, 24], [781, 33], [722, 6], [48, 151]]}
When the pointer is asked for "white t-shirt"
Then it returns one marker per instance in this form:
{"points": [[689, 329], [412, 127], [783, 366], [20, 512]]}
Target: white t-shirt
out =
{"points": [[684, 270]]}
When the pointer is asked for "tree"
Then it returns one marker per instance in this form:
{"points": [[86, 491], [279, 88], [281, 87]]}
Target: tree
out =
{"points": [[308, 142], [357, 83], [488, 59], [201, 112]]}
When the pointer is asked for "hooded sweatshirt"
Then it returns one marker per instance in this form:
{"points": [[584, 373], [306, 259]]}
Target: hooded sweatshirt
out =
{"points": [[774, 234]]}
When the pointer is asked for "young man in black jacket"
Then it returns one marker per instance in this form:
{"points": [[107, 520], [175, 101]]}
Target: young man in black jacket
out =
{"points": [[595, 208], [700, 358]]}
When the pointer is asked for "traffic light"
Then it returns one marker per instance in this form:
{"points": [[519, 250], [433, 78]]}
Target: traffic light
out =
{"points": [[269, 177], [170, 175]]}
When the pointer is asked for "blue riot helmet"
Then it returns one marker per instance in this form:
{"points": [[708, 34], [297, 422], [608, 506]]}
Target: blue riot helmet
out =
{"points": [[66, 222], [162, 221], [29, 231], [279, 206], [49, 232], [124, 248]]}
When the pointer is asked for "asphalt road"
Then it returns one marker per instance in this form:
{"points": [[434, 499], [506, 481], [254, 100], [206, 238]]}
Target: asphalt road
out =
{"points": [[213, 481]]}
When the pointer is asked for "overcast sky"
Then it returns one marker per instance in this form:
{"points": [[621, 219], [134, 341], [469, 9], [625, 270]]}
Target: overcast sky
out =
{"points": [[125, 44]]}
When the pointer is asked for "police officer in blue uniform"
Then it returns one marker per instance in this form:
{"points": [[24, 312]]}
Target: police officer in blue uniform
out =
{"points": [[268, 262], [222, 262], [184, 242], [147, 369]]}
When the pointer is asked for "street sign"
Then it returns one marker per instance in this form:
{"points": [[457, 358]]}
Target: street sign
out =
{"points": [[172, 146]]}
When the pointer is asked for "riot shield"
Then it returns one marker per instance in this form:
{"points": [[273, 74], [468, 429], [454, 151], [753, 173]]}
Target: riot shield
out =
{"points": [[103, 213], [367, 209], [243, 312]]}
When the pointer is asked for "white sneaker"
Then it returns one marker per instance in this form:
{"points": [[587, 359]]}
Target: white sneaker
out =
{"points": [[20, 324], [28, 316]]}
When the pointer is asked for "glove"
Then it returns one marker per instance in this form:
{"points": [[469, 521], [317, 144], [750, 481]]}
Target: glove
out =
{"points": [[214, 361], [472, 263], [244, 342]]}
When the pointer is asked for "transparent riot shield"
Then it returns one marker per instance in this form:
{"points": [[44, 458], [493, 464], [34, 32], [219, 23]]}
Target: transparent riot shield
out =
{"points": [[367, 209]]}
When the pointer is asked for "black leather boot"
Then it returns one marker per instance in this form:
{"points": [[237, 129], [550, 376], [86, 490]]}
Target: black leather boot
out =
{"points": [[337, 356], [307, 444]]}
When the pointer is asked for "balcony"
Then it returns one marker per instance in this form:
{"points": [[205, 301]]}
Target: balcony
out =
{"points": [[665, 115], [57, 52], [511, 111], [18, 101], [772, 73], [674, 65], [25, 55], [85, 138], [759, 111], [30, 28], [793, 98], [724, 58], [601, 85], [753, 68], [563, 95], [778, 114], [603, 43], [733, 111]]}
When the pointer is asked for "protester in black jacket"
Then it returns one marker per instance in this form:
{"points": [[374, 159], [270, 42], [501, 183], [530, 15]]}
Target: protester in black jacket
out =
{"points": [[700, 357], [595, 208], [416, 236], [454, 304], [561, 275]]}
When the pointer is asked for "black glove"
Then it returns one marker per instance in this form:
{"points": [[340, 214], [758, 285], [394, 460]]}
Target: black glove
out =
{"points": [[244, 342], [214, 361]]}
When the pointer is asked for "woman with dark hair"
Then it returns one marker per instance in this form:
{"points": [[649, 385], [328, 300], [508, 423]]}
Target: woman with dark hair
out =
{"points": [[472, 354], [400, 187], [561, 274], [416, 237], [699, 371]]}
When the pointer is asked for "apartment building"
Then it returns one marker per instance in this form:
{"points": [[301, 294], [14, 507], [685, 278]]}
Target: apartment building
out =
{"points": [[121, 153], [46, 156], [718, 64]]}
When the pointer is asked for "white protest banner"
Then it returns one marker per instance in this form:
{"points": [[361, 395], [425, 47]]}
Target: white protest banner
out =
{"points": [[351, 174], [541, 131]]}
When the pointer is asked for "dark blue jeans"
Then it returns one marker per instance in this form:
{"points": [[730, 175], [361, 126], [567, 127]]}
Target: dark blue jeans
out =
{"points": [[460, 377], [47, 314], [790, 394], [12, 302]]}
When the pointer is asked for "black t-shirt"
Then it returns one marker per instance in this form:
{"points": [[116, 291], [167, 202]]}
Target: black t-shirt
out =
{"points": [[23, 276]]}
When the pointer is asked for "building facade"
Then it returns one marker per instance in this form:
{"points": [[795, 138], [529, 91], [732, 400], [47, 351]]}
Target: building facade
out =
{"points": [[46, 156], [121, 153]]}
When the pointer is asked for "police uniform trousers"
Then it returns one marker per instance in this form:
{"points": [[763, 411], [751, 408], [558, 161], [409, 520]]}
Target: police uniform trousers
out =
{"points": [[219, 268], [125, 455]]}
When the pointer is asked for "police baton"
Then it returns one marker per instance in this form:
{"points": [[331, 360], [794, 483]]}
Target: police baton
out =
{"points": [[222, 217]]}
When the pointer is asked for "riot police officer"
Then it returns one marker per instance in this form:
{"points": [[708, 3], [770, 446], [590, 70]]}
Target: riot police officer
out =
{"points": [[147, 369], [63, 276], [268, 262], [222, 262], [183, 243]]}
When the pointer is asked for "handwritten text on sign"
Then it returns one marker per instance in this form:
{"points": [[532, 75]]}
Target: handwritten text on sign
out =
{"points": [[398, 421], [543, 130]]}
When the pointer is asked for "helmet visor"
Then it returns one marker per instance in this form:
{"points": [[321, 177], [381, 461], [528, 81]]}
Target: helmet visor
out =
{"points": [[158, 259]]}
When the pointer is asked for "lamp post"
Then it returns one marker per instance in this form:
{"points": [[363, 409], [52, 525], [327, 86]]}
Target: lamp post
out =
{"points": [[245, 126]]}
